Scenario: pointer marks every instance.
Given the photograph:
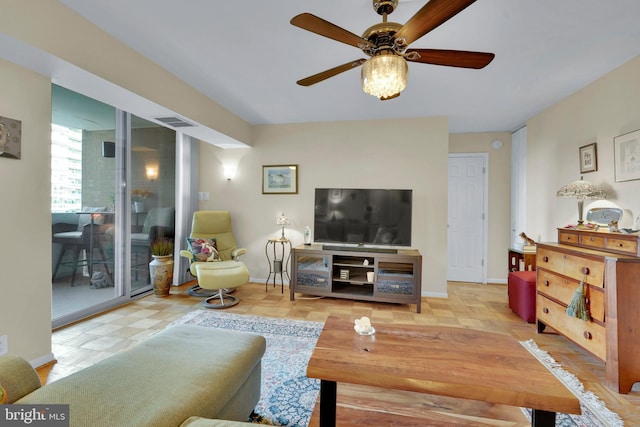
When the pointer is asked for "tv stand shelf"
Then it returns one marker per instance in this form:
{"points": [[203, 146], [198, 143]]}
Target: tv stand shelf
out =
{"points": [[342, 273]]}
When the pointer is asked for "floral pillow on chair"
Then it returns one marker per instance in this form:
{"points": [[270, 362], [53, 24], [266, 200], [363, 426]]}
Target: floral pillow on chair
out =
{"points": [[203, 250]]}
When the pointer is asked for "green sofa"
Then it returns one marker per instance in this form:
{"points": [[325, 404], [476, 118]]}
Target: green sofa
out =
{"points": [[180, 375]]}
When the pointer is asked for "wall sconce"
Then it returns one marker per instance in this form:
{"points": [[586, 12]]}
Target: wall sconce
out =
{"points": [[152, 172], [229, 172]]}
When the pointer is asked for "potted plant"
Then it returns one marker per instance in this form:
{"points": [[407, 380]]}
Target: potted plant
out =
{"points": [[161, 267]]}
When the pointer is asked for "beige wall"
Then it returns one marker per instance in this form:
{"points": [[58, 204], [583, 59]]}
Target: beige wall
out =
{"points": [[499, 208], [607, 108], [25, 252], [409, 154]]}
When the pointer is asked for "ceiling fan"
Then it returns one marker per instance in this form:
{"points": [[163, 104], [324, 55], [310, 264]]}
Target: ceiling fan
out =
{"points": [[384, 74]]}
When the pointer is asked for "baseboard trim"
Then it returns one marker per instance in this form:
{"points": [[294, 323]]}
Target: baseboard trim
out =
{"points": [[41, 361]]}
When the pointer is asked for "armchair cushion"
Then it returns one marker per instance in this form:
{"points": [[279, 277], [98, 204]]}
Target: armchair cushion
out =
{"points": [[203, 250], [85, 219], [159, 216]]}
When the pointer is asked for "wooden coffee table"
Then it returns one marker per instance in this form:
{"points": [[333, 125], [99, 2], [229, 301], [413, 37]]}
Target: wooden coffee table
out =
{"points": [[437, 360]]}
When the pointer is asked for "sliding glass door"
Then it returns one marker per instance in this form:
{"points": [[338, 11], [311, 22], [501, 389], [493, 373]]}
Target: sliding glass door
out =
{"points": [[113, 193]]}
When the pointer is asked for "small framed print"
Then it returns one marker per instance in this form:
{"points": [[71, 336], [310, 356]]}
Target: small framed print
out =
{"points": [[626, 152], [588, 158], [280, 179], [10, 138]]}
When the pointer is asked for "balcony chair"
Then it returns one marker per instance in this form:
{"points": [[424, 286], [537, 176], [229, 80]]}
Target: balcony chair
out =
{"points": [[217, 277], [159, 223], [85, 235]]}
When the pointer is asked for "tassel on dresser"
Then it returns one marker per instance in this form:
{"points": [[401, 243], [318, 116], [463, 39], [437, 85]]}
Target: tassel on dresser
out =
{"points": [[578, 305]]}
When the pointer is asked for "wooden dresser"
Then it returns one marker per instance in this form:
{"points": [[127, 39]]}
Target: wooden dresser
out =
{"points": [[609, 265]]}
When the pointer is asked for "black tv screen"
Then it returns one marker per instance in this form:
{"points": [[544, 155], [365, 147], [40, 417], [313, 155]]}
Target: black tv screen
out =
{"points": [[363, 216]]}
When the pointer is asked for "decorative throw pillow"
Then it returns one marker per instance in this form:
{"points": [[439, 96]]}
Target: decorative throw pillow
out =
{"points": [[203, 250]]}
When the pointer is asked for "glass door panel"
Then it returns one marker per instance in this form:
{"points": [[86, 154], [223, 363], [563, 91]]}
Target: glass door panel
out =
{"points": [[152, 184], [82, 203]]}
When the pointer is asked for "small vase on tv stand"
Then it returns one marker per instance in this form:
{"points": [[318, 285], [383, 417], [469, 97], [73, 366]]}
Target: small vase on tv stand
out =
{"points": [[307, 235]]}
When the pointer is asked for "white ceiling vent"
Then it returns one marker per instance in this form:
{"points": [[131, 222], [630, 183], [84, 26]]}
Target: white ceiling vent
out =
{"points": [[175, 122]]}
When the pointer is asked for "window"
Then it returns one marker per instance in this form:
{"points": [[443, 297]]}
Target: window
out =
{"points": [[66, 169]]}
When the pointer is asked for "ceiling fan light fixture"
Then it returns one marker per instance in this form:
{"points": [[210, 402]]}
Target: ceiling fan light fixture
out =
{"points": [[384, 75]]}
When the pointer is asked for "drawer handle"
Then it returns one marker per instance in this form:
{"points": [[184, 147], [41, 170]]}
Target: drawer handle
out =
{"points": [[585, 270], [545, 258], [587, 335], [592, 239], [620, 245], [545, 310], [546, 283]]}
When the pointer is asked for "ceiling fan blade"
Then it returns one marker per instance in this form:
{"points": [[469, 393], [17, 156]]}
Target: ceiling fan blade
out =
{"points": [[316, 78], [451, 58], [312, 23], [432, 15]]}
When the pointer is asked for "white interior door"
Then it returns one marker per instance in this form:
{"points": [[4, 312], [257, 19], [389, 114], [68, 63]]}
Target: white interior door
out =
{"points": [[467, 214]]}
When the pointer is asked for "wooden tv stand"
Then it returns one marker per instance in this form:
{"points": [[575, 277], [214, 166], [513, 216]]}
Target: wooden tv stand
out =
{"points": [[342, 273]]}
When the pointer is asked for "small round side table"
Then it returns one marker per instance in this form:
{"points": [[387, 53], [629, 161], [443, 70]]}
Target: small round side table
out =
{"points": [[278, 253]]}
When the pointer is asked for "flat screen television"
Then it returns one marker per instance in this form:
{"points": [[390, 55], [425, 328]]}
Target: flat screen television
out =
{"points": [[374, 217]]}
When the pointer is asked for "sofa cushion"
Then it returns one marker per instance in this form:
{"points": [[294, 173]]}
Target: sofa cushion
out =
{"points": [[203, 250], [180, 372]]}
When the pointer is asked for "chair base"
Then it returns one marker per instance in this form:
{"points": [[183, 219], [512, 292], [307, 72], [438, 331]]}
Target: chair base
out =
{"points": [[197, 291], [223, 300]]}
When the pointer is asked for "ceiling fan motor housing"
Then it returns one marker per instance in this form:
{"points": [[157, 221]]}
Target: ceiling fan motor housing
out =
{"points": [[384, 7], [382, 36]]}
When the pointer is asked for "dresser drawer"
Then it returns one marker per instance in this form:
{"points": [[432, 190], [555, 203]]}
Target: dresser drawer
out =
{"points": [[595, 242], [573, 266], [563, 289], [568, 237], [589, 335], [623, 245]]}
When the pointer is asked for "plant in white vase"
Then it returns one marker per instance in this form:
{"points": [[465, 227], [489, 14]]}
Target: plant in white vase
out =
{"points": [[161, 267]]}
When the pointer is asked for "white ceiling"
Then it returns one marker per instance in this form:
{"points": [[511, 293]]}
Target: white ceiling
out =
{"points": [[246, 55]]}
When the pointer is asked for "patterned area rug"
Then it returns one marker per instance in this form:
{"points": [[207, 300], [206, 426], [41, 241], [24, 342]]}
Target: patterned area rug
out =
{"points": [[287, 395], [594, 411]]}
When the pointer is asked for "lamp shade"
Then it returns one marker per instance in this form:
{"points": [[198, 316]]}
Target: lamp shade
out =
{"points": [[282, 220], [581, 190], [384, 75]]}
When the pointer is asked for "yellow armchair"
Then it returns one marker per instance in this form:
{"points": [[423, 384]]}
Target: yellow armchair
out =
{"points": [[223, 276]]}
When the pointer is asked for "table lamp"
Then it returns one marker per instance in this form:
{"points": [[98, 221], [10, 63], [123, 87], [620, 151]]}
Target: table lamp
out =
{"points": [[282, 221], [581, 190]]}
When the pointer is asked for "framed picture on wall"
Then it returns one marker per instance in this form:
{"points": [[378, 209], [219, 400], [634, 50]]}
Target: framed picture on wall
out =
{"points": [[10, 138], [280, 179], [626, 153], [588, 158]]}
